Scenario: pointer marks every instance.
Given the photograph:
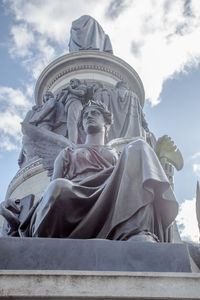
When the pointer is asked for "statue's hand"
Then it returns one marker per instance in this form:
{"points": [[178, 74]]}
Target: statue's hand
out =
{"points": [[20, 161], [8, 209], [35, 123]]}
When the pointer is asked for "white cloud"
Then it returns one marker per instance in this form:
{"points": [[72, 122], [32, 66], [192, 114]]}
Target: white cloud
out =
{"points": [[196, 164], [37, 62], [164, 35], [14, 105], [23, 39], [12, 97], [7, 144], [196, 169], [187, 220], [196, 155]]}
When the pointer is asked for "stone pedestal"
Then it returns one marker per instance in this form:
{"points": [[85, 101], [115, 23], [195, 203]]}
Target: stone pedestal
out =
{"points": [[57, 285], [92, 255], [37, 268]]}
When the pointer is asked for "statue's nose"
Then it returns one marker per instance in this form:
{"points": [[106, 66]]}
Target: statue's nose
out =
{"points": [[89, 114]]}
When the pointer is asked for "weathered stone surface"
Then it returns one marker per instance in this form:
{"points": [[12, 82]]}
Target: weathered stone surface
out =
{"points": [[93, 255], [57, 285]]}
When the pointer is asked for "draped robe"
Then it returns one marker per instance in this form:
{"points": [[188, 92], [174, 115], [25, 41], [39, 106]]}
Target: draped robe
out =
{"points": [[100, 197]]}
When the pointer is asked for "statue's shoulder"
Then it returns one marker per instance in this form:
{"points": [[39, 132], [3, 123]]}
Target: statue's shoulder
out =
{"points": [[82, 86]]}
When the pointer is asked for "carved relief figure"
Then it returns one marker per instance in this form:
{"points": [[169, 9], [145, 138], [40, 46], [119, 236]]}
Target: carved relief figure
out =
{"points": [[27, 151], [96, 194], [73, 96], [46, 117], [101, 94], [127, 112]]}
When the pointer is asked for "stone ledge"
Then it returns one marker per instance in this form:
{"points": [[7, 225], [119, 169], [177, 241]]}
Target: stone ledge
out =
{"points": [[57, 285], [92, 255]]}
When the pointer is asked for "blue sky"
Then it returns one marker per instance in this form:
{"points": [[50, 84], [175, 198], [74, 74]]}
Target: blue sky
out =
{"points": [[158, 38]]}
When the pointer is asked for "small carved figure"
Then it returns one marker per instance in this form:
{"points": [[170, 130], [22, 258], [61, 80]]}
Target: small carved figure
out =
{"points": [[27, 152], [96, 194], [46, 116], [101, 94], [87, 34], [129, 120], [74, 97]]}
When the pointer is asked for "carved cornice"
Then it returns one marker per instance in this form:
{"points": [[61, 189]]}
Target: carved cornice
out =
{"points": [[24, 174], [85, 67], [83, 63]]}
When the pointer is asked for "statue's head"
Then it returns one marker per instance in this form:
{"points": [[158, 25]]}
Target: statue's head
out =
{"points": [[47, 96], [121, 84], [95, 117], [74, 82], [97, 85]]}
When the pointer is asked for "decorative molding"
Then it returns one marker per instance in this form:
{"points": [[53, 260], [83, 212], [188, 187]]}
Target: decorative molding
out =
{"points": [[24, 174], [85, 67], [84, 62]]}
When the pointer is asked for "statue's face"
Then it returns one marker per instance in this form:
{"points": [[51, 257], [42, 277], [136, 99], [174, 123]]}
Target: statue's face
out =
{"points": [[46, 97], [93, 120], [74, 83]]}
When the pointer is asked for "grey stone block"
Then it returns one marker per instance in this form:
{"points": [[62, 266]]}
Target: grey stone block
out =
{"points": [[92, 255]]}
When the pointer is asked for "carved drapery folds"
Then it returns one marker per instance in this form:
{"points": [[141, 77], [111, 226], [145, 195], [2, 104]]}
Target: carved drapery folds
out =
{"points": [[87, 34]]}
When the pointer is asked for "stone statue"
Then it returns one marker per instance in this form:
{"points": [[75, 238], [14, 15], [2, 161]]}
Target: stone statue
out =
{"points": [[27, 153], [46, 116], [129, 120], [87, 34], [101, 94], [94, 193], [74, 97]]}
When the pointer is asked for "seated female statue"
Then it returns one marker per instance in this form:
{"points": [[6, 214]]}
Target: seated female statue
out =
{"points": [[97, 194]]}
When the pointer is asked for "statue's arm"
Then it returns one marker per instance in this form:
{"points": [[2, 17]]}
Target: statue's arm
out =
{"points": [[144, 123], [59, 166], [9, 210], [21, 158], [62, 95], [79, 91], [49, 108]]}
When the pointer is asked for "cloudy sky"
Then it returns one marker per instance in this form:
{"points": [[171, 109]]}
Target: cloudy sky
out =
{"points": [[158, 38]]}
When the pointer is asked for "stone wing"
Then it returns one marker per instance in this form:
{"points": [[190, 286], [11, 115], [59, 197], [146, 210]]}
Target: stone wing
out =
{"points": [[165, 147], [47, 145]]}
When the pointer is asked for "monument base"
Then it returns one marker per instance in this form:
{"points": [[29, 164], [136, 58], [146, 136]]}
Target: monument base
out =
{"points": [[79, 285], [92, 255]]}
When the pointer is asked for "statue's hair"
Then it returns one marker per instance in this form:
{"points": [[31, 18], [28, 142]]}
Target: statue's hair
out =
{"points": [[48, 93], [76, 79], [108, 118], [120, 83]]}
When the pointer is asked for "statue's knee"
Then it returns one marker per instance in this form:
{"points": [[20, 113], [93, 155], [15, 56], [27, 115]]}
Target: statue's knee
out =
{"points": [[138, 144], [54, 189]]}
